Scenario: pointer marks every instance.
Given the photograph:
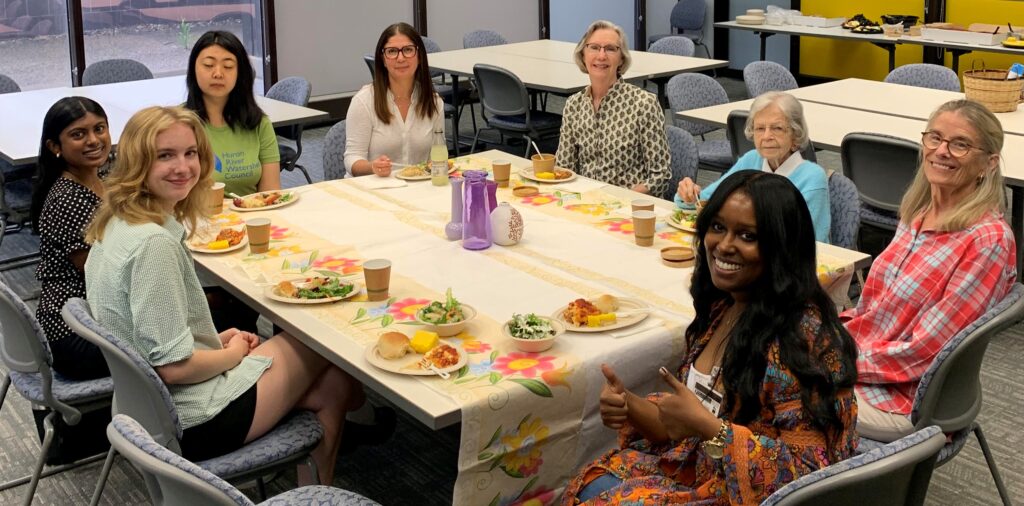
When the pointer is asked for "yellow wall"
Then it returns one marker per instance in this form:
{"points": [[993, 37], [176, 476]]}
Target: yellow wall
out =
{"points": [[997, 12], [840, 58]]}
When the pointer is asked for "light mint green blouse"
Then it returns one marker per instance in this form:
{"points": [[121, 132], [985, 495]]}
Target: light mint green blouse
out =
{"points": [[141, 284]]}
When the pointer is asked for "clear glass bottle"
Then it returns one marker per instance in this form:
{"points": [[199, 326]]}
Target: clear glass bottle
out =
{"points": [[439, 160], [476, 211]]}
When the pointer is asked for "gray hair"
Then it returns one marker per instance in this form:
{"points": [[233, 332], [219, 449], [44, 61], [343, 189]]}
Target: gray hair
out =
{"points": [[789, 106], [601, 24]]}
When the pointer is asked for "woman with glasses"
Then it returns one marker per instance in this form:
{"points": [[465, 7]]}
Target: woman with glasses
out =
{"points": [[953, 257], [393, 120], [613, 131], [776, 125], [220, 80]]}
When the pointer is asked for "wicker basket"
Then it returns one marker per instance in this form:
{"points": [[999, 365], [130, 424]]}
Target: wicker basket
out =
{"points": [[993, 90]]}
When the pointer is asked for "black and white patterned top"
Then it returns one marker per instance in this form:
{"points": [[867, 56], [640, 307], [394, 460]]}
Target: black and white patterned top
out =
{"points": [[68, 209], [622, 143]]}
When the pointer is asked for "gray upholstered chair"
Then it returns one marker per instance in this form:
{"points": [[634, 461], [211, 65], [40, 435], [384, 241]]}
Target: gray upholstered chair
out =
{"points": [[844, 207], [764, 76], [925, 75], [467, 93], [368, 59], [949, 393], [8, 85], [882, 167], [896, 474], [687, 20], [334, 152], [26, 354], [693, 91], [739, 144], [674, 45], [685, 158], [172, 480], [296, 91], [115, 71], [482, 38], [140, 393], [506, 107]]}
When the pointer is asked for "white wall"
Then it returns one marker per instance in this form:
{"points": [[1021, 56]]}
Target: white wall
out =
{"points": [[325, 40], [571, 18], [449, 20]]}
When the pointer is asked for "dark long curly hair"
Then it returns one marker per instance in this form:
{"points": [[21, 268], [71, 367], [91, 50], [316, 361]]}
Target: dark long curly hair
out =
{"points": [[241, 111], [778, 301], [49, 166]]}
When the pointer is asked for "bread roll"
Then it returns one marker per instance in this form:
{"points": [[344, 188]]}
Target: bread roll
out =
{"points": [[393, 345], [607, 303]]}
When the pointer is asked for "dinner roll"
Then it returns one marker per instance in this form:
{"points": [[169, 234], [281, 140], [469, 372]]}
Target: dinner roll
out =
{"points": [[393, 345], [606, 303]]}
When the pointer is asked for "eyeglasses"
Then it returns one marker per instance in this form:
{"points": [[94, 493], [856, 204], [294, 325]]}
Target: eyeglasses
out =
{"points": [[596, 48], [776, 130], [392, 52], [957, 147]]}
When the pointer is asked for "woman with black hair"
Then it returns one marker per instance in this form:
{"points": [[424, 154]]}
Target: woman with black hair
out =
{"points": [[220, 80], [764, 394], [393, 120], [74, 145]]}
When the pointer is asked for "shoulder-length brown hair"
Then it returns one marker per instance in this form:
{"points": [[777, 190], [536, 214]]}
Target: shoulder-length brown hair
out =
{"points": [[127, 197], [427, 108], [989, 194]]}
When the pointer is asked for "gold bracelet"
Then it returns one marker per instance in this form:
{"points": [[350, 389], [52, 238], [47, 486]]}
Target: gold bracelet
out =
{"points": [[715, 447]]}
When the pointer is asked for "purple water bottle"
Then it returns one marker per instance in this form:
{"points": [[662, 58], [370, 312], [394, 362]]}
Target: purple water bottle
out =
{"points": [[476, 212]]}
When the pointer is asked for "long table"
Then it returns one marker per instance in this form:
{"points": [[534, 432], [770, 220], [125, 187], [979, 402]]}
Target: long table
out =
{"points": [[829, 124], [893, 100], [23, 112], [887, 43], [547, 65], [543, 408]]}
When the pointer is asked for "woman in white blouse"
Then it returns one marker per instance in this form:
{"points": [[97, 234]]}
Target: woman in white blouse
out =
{"points": [[389, 121]]}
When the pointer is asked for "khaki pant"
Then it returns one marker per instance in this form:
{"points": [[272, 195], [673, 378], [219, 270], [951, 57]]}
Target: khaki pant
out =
{"points": [[879, 425]]}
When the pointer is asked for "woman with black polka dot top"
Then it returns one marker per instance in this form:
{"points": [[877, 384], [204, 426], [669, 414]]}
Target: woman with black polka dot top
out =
{"points": [[74, 146]]}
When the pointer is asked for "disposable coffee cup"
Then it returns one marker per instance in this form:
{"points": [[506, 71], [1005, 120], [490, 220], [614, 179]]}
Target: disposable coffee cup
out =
{"points": [[643, 227], [543, 162], [215, 198], [258, 230], [643, 205], [377, 273], [502, 169]]}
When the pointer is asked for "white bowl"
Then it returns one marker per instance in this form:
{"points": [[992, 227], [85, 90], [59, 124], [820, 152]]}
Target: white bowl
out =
{"points": [[535, 345], [450, 329]]}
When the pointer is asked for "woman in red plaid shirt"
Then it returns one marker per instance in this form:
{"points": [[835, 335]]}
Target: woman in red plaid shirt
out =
{"points": [[953, 257]]}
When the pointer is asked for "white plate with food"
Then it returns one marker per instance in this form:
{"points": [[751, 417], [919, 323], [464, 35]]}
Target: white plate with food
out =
{"points": [[264, 201], [576, 316], [418, 172], [445, 357], [559, 175], [313, 290], [225, 240], [684, 220]]}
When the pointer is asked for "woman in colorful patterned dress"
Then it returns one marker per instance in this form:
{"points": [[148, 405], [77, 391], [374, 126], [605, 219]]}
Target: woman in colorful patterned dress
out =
{"points": [[764, 394]]}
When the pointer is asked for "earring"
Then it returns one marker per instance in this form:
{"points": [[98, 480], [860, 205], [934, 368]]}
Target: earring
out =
{"points": [[58, 154]]}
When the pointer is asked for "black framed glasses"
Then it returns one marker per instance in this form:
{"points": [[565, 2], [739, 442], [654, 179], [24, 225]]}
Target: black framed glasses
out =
{"points": [[957, 147], [392, 52], [596, 48]]}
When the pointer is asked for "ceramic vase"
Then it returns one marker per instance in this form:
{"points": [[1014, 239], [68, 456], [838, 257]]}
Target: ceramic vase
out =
{"points": [[506, 225], [453, 230]]}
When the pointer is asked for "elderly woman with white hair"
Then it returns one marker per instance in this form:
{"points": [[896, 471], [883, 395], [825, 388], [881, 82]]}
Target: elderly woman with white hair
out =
{"points": [[776, 125], [613, 131]]}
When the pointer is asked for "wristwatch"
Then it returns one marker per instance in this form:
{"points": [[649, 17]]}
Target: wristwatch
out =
{"points": [[715, 447]]}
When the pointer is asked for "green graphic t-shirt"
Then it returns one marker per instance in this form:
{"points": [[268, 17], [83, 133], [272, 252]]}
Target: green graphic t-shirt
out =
{"points": [[239, 155]]}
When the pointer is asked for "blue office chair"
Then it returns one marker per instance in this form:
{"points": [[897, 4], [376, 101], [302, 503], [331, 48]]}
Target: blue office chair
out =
{"points": [[115, 71], [296, 91]]}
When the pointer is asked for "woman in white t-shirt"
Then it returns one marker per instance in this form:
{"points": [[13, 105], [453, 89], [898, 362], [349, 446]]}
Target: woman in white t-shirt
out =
{"points": [[389, 121]]}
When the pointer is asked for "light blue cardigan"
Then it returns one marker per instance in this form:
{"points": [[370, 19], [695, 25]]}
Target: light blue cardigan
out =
{"points": [[808, 177]]}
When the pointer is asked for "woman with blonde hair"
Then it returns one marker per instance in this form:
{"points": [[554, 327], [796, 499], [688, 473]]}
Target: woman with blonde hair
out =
{"points": [[228, 388], [613, 131], [953, 257]]}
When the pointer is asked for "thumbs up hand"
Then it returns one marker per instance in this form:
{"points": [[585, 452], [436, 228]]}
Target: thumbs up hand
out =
{"points": [[613, 399], [682, 413]]}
